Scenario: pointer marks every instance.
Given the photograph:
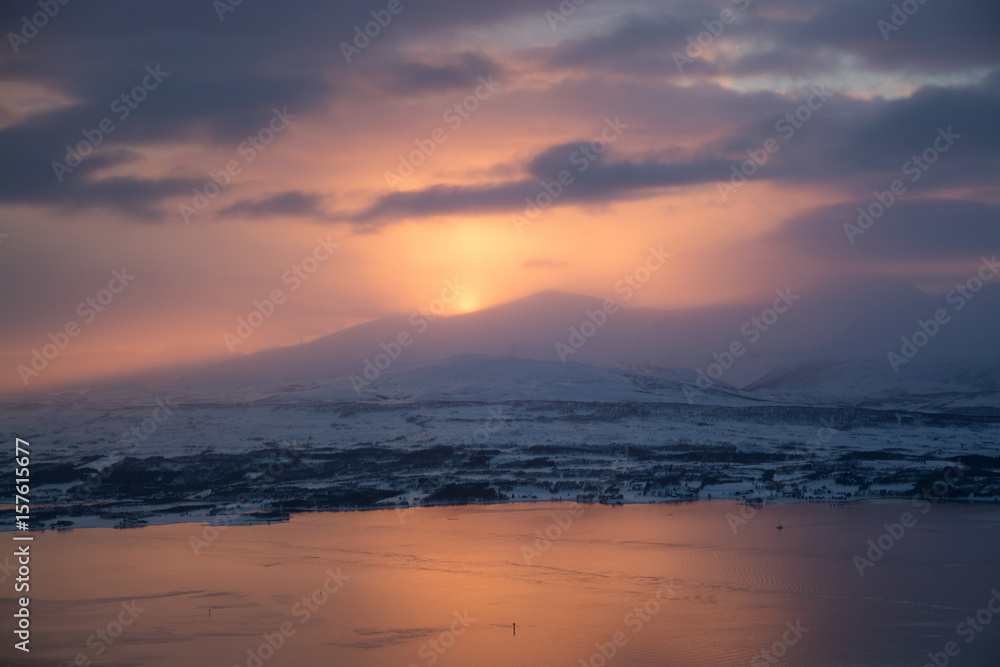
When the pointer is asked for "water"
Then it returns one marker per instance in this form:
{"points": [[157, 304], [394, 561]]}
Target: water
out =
{"points": [[645, 584]]}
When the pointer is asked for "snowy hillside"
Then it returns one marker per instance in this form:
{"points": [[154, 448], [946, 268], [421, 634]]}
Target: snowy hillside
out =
{"points": [[847, 328]]}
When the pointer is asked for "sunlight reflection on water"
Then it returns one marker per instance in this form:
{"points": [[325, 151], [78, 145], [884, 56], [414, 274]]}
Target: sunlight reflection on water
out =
{"points": [[667, 584]]}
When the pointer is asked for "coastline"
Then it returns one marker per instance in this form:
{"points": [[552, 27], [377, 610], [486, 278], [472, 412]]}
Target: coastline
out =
{"points": [[255, 517]]}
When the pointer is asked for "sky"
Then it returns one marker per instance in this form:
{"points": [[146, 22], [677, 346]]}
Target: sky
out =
{"points": [[167, 168]]}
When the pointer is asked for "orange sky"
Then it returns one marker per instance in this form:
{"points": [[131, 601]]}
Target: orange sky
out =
{"points": [[656, 185]]}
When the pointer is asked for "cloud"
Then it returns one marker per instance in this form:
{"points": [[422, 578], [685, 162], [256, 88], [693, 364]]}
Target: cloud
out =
{"points": [[458, 72], [291, 203], [809, 38], [635, 40], [599, 183], [858, 145], [910, 229], [224, 77], [938, 37]]}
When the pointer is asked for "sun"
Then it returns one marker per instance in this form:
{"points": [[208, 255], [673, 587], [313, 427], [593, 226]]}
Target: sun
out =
{"points": [[466, 303]]}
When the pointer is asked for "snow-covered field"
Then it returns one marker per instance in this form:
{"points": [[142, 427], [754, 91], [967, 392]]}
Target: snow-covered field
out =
{"points": [[481, 409], [127, 461]]}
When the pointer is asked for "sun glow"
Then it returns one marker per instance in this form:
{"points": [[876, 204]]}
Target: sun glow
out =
{"points": [[466, 303]]}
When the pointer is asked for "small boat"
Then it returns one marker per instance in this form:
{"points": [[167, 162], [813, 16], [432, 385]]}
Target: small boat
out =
{"points": [[780, 527]]}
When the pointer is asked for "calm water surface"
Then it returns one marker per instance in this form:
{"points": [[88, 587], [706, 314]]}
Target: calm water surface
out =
{"points": [[643, 584]]}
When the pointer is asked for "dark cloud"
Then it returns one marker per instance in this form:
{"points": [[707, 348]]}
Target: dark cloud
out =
{"points": [[809, 38], [903, 125], [937, 37], [27, 175], [859, 145], [292, 203], [459, 72], [910, 229], [175, 110], [224, 78], [588, 178], [636, 43]]}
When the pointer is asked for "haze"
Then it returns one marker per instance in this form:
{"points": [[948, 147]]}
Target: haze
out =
{"points": [[272, 149]]}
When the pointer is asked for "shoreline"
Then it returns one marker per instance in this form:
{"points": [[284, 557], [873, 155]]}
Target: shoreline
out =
{"points": [[257, 517], [241, 462]]}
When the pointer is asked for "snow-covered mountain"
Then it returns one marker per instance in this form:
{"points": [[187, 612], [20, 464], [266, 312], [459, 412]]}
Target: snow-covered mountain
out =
{"points": [[488, 379], [481, 407], [829, 343]]}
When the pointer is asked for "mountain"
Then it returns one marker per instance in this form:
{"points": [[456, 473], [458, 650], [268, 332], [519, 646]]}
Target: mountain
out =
{"points": [[828, 343], [482, 378], [841, 341]]}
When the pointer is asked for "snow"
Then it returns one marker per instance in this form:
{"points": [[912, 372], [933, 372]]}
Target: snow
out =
{"points": [[483, 399]]}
